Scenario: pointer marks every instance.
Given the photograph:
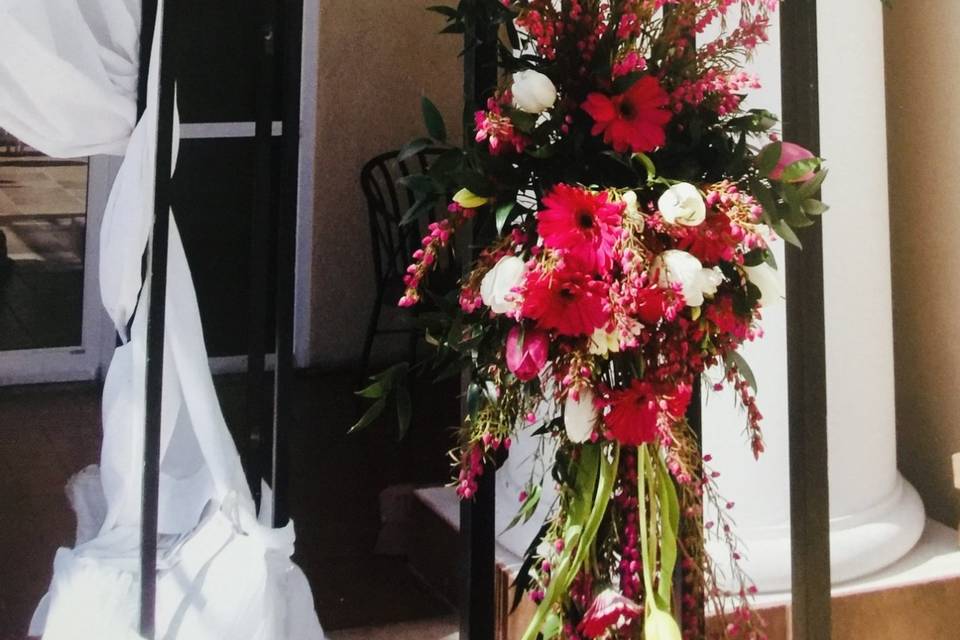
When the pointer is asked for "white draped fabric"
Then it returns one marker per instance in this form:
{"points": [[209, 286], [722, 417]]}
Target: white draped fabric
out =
{"points": [[68, 75]]}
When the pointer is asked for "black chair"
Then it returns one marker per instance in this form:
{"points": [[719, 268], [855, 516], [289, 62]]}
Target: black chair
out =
{"points": [[392, 244]]}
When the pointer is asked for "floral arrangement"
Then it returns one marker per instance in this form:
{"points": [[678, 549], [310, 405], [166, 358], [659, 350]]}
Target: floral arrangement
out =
{"points": [[628, 204]]}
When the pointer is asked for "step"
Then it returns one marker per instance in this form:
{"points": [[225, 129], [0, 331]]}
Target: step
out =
{"points": [[914, 598]]}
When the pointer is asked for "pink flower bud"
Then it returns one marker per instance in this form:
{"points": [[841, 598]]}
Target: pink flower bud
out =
{"points": [[527, 352], [791, 153]]}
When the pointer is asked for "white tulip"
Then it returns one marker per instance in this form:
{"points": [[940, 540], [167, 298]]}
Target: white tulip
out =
{"points": [[580, 416], [603, 342], [533, 92], [679, 267], [767, 279], [682, 204], [497, 287]]}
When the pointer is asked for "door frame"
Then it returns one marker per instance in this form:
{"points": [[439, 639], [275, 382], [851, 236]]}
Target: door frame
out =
{"points": [[89, 359]]}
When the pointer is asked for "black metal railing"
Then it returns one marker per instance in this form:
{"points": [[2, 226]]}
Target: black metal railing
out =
{"points": [[265, 455]]}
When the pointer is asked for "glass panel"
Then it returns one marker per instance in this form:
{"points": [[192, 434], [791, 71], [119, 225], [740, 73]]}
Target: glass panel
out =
{"points": [[43, 210]]}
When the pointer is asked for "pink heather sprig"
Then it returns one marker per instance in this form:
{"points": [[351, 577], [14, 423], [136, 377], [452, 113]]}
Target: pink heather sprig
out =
{"points": [[472, 462], [432, 244], [498, 130], [721, 89]]}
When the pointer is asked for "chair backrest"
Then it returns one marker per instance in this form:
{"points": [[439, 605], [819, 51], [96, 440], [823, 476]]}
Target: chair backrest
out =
{"points": [[388, 202]]}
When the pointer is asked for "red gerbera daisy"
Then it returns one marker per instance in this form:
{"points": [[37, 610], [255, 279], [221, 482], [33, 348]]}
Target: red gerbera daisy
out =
{"points": [[633, 121], [566, 301], [581, 223], [635, 413]]}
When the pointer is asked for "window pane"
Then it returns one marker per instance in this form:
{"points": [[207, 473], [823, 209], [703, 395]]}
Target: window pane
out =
{"points": [[43, 205]]}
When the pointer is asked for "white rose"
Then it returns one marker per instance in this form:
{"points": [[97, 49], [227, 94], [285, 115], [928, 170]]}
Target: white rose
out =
{"points": [[580, 416], [683, 204], [679, 267], [497, 286], [767, 279], [533, 92]]}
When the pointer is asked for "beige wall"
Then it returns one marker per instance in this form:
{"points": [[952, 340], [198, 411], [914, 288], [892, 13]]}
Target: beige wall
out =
{"points": [[923, 95], [377, 57]]}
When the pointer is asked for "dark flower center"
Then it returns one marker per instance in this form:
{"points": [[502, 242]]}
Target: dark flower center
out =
{"points": [[585, 220], [567, 293], [627, 110]]}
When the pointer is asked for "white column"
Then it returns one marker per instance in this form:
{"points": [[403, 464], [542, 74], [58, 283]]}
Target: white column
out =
{"points": [[876, 516]]}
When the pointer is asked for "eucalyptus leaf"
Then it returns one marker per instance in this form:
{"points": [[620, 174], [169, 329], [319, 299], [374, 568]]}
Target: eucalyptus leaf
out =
{"points": [[814, 207], [784, 231], [811, 187], [370, 416], [503, 215], [433, 120], [414, 147], [768, 158]]}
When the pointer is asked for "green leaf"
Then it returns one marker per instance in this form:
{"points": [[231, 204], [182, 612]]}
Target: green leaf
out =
{"points": [[371, 415], [372, 392], [799, 169], [419, 183], [433, 120], [734, 359], [810, 188], [418, 209], [815, 207], [784, 231], [768, 158], [754, 258], [647, 164], [767, 200], [474, 399], [503, 215], [414, 147], [444, 10]]}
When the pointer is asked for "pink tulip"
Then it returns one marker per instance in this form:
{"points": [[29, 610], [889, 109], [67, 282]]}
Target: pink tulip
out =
{"points": [[792, 153], [527, 352], [609, 611]]}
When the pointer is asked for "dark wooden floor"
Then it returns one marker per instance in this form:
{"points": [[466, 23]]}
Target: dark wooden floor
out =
{"points": [[48, 433]]}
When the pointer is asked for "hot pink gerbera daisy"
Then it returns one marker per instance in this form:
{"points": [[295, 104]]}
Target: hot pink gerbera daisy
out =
{"points": [[632, 121], [635, 412], [566, 301], [582, 224]]}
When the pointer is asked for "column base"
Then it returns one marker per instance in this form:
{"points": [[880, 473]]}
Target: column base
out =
{"points": [[860, 544]]}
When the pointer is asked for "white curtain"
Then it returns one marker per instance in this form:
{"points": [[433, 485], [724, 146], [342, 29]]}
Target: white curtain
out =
{"points": [[68, 76]]}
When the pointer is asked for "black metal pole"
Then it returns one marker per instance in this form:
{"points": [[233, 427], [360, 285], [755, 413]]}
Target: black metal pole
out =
{"points": [[260, 237], [478, 516], [806, 357], [694, 587], [286, 258], [156, 325]]}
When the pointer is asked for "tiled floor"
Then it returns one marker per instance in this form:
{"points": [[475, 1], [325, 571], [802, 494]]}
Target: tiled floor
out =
{"points": [[49, 433]]}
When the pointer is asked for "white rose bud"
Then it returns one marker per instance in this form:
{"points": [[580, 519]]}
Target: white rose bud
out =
{"points": [[682, 204], [497, 287], [679, 267], [580, 416], [767, 279], [533, 92]]}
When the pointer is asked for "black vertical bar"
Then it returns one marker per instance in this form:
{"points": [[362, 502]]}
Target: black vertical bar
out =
{"points": [[806, 357], [478, 516], [286, 257], [156, 324], [260, 236]]}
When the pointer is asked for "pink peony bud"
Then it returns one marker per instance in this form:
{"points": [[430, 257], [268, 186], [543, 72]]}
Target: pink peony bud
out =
{"points": [[527, 352], [791, 153]]}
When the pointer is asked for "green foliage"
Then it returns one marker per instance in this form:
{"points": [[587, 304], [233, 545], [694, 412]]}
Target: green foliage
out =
{"points": [[391, 383]]}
